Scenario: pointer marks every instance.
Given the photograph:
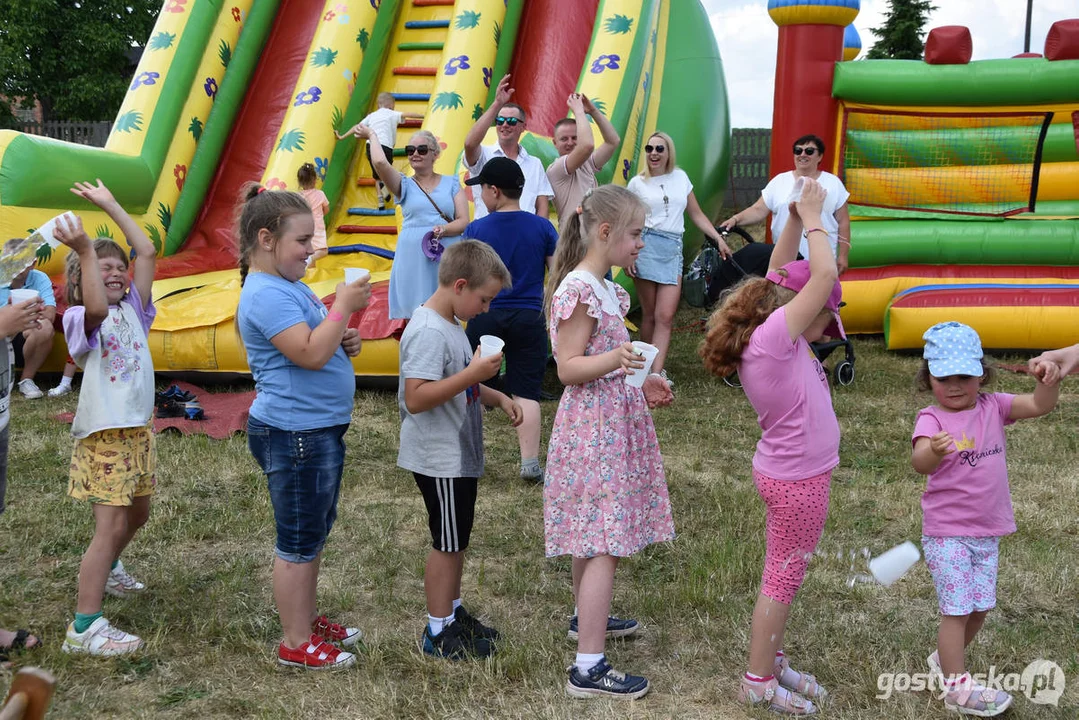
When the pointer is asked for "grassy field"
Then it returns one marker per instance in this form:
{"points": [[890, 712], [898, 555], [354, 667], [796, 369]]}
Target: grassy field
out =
{"points": [[211, 630]]}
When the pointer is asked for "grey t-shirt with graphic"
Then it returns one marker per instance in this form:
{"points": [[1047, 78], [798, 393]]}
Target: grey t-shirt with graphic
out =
{"points": [[446, 441]]}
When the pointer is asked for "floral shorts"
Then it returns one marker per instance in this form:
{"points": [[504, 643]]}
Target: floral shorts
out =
{"points": [[113, 467], [964, 570]]}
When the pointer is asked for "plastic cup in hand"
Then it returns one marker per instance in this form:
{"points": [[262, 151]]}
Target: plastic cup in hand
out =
{"points": [[354, 274], [20, 295], [796, 192], [648, 353], [490, 345], [894, 564]]}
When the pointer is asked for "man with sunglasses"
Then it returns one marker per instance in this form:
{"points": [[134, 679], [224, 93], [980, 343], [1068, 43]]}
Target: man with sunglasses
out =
{"points": [[574, 172], [776, 198], [509, 120]]}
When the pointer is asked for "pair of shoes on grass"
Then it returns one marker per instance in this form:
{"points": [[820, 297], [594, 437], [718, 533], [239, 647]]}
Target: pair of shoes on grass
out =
{"points": [[102, 638], [320, 651], [602, 680], [465, 637], [177, 403]]}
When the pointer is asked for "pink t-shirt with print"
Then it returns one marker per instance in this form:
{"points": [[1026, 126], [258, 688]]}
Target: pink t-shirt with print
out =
{"points": [[967, 495], [788, 388]]}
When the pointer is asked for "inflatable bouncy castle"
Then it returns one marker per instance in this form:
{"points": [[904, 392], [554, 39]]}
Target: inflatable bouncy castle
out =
{"points": [[964, 176], [229, 91]]}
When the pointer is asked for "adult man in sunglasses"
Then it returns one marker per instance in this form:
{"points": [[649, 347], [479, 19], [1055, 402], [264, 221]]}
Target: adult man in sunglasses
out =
{"points": [[509, 119], [776, 198], [574, 172]]}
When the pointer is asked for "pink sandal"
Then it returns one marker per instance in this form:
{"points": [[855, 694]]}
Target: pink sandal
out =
{"points": [[778, 699], [802, 683]]}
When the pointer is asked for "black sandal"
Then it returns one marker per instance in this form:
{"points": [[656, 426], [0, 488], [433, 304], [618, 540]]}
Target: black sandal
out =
{"points": [[18, 643]]}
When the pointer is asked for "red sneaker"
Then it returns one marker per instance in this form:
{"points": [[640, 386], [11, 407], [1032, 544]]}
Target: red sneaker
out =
{"points": [[332, 632], [315, 654]]}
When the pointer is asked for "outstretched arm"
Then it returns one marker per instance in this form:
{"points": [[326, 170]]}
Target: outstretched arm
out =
{"points": [[475, 135], [390, 176], [611, 140], [145, 252], [752, 214]]}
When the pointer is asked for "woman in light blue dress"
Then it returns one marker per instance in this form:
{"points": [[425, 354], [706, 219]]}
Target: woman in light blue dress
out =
{"points": [[429, 202]]}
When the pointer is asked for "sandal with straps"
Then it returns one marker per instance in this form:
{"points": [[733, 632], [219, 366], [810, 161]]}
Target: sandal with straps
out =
{"points": [[805, 685], [777, 698], [968, 698]]}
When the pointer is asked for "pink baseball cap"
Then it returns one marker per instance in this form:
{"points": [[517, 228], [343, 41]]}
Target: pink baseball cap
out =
{"points": [[794, 276]]}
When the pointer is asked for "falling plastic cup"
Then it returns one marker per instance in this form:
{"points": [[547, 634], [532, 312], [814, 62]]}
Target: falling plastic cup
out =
{"points": [[796, 191], [490, 345], [20, 295], [894, 564], [648, 352], [354, 274]]}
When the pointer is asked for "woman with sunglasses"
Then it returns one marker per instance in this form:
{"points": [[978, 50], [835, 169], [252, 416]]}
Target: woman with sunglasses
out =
{"points": [[657, 274], [776, 199], [430, 203]]}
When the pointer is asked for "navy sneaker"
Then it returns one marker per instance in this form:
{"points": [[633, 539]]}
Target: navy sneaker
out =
{"points": [[455, 643], [616, 627], [604, 681], [473, 626]]}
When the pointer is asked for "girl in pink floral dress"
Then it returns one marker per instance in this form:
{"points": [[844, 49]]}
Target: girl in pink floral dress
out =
{"points": [[605, 493]]}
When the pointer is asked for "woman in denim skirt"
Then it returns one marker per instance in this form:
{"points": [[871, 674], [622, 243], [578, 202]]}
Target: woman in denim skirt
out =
{"points": [[657, 274]]}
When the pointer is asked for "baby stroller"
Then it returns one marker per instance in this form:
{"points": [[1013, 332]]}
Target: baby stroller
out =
{"points": [[752, 259]]}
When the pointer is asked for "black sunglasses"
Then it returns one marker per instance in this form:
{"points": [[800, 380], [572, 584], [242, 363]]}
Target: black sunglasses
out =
{"points": [[420, 149], [655, 148], [809, 151], [500, 121]]}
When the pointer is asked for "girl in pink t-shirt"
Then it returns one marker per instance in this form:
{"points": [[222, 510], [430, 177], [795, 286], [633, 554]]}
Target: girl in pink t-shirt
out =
{"points": [[959, 443], [762, 331], [320, 205]]}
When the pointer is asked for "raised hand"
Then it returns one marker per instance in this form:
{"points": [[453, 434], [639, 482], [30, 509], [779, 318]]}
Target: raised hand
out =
{"points": [[485, 367], [576, 104], [71, 233], [504, 92], [587, 104], [354, 296], [97, 194], [812, 200]]}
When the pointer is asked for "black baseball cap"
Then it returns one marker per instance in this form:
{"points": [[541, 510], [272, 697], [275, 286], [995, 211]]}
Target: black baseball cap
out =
{"points": [[503, 173]]}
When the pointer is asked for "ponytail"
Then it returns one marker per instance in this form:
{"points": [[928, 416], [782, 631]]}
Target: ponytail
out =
{"points": [[568, 254]]}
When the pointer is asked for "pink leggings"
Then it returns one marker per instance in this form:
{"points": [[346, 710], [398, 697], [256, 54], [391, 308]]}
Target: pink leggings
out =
{"points": [[796, 514]]}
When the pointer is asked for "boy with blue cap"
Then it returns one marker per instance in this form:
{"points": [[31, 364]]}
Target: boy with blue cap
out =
{"points": [[967, 508]]}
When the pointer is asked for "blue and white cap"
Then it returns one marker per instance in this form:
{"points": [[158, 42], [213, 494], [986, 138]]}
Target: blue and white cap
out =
{"points": [[953, 348]]}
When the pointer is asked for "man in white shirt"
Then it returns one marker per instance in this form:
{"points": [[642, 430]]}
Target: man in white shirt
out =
{"points": [[574, 172], [510, 120]]}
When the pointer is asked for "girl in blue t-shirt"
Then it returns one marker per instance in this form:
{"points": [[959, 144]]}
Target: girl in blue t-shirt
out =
{"points": [[298, 354]]}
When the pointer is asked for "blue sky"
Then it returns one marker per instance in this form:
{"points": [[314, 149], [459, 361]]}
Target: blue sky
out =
{"points": [[747, 40]]}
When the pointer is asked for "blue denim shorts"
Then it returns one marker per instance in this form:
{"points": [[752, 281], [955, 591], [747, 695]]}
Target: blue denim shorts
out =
{"points": [[660, 259], [303, 473]]}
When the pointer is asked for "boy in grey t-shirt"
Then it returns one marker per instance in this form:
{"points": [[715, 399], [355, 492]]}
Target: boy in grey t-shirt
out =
{"points": [[442, 433]]}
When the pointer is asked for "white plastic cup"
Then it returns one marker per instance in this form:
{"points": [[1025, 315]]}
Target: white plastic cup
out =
{"points": [[354, 274], [490, 345], [894, 564], [796, 192], [20, 295], [648, 352]]}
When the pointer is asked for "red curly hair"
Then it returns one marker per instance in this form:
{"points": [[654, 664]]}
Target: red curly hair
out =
{"points": [[744, 308]]}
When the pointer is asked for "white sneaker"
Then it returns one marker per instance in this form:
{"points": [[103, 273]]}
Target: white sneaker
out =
{"points": [[29, 389], [100, 638], [120, 584], [59, 390]]}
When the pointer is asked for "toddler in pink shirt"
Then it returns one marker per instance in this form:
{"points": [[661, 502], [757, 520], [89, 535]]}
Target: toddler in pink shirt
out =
{"points": [[959, 443]]}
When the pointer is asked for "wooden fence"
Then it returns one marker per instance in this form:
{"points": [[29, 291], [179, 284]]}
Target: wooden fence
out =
{"points": [[83, 133], [749, 166]]}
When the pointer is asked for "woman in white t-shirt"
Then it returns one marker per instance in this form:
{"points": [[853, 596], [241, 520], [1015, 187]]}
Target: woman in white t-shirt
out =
{"points": [[657, 274], [776, 199]]}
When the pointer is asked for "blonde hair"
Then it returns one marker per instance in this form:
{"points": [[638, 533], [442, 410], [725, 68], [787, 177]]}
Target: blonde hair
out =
{"points": [[743, 309], [610, 204], [671, 159], [385, 100], [473, 261], [104, 248], [431, 140]]}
